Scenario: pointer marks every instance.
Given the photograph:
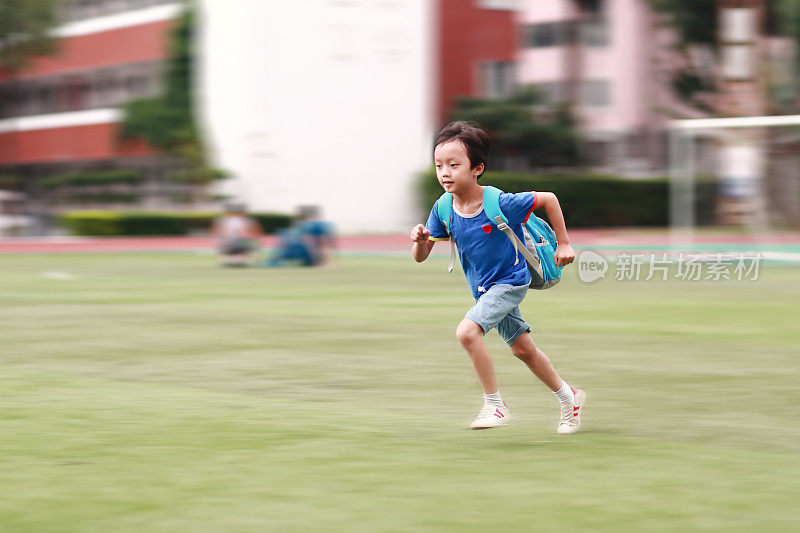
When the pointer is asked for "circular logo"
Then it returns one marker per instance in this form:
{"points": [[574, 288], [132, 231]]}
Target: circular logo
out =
{"points": [[591, 266]]}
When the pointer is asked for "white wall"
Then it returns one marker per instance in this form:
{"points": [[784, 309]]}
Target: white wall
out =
{"points": [[324, 102]]}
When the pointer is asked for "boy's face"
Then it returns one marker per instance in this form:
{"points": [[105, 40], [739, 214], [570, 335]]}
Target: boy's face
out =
{"points": [[452, 167]]}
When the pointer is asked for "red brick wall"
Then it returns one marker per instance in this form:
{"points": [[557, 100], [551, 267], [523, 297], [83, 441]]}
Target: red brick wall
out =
{"points": [[468, 35], [146, 42], [97, 141]]}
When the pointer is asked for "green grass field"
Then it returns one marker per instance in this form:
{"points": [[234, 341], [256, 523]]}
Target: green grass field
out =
{"points": [[158, 392]]}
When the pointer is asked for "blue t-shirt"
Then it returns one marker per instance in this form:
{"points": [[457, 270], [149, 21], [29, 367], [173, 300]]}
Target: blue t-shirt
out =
{"points": [[487, 256]]}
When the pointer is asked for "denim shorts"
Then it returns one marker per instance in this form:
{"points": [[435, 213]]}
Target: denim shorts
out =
{"points": [[499, 308]]}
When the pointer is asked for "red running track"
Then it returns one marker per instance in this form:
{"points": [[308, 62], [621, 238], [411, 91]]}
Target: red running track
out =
{"points": [[581, 238]]}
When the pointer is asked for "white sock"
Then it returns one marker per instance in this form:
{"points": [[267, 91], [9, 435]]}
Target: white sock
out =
{"points": [[565, 394], [494, 399]]}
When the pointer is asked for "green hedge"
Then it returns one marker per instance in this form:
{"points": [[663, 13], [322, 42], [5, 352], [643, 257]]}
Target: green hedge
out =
{"points": [[198, 175], [589, 200], [106, 198], [99, 177], [143, 223]]}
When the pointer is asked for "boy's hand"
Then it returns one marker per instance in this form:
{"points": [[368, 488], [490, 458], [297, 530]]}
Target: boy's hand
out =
{"points": [[564, 255], [420, 234]]}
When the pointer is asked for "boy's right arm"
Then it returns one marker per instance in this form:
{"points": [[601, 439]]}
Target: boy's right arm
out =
{"points": [[422, 244], [564, 253]]}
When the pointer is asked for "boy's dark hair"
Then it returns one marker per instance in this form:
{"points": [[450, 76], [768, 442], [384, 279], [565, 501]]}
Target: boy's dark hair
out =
{"points": [[475, 140]]}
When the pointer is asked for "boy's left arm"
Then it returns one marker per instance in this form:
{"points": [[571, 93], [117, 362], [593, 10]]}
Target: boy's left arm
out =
{"points": [[564, 253]]}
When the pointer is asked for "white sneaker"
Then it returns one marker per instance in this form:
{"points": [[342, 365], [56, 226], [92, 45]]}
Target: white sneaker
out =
{"points": [[571, 414], [491, 416]]}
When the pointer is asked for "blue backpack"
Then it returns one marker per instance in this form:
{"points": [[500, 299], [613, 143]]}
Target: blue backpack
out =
{"points": [[538, 249]]}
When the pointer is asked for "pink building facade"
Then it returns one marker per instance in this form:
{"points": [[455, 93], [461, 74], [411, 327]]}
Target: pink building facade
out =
{"points": [[605, 61]]}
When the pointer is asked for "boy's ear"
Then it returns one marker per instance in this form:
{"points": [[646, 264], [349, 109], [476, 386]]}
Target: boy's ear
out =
{"points": [[478, 169]]}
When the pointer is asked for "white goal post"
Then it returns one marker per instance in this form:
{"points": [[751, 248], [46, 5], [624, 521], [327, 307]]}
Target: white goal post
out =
{"points": [[683, 137]]}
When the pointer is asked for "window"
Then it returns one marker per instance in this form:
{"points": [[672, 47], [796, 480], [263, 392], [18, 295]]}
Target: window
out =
{"points": [[593, 32], [739, 25], [89, 8], [738, 61], [596, 93], [91, 89], [542, 35], [46, 99], [7, 100], [23, 96], [550, 34], [497, 79], [72, 10], [550, 92]]}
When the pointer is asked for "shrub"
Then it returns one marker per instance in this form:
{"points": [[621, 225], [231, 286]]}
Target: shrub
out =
{"points": [[144, 223], [98, 177], [198, 175], [91, 222], [589, 200]]}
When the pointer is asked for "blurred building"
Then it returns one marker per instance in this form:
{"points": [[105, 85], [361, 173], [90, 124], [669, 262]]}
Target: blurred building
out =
{"points": [[605, 58], [342, 97], [335, 102], [476, 50], [62, 113]]}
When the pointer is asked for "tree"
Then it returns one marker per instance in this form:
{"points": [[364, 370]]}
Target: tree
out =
{"points": [[697, 24], [24, 27], [786, 22], [696, 20], [786, 19], [524, 130], [167, 121]]}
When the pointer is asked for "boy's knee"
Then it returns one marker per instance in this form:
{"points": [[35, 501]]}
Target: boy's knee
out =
{"points": [[524, 354], [521, 354], [468, 332], [524, 348]]}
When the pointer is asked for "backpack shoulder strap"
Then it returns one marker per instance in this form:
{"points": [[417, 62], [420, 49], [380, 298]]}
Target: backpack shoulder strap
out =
{"points": [[444, 208], [491, 204]]}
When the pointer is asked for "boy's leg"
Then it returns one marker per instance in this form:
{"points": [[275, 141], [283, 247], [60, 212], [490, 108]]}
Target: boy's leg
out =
{"points": [[487, 313], [470, 335], [490, 309], [517, 334], [494, 412], [526, 351], [571, 400]]}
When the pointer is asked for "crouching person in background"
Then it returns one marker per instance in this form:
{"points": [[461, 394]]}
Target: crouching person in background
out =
{"points": [[238, 236], [309, 242]]}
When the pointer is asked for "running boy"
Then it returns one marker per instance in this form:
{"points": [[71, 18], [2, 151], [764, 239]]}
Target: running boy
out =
{"points": [[488, 260]]}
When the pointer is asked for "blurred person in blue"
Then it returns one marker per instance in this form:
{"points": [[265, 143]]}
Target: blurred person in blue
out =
{"points": [[238, 236], [497, 278], [310, 241]]}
